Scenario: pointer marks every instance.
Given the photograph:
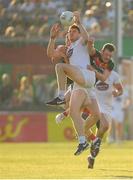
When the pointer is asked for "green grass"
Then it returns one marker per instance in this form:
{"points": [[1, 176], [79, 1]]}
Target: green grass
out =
{"points": [[56, 160]]}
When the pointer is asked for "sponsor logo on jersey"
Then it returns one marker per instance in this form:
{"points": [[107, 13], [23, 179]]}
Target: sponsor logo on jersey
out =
{"points": [[102, 86], [69, 53]]}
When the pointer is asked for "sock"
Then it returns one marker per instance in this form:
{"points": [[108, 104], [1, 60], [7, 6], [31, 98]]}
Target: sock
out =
{"points": [[65, 113], [95, 139], [61, 94], [85, 110], [81, 139], [92, 137], [91, 156]]}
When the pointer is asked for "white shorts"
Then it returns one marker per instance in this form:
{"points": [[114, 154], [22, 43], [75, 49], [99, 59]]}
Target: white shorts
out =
{"points": [[89, 76], [89, 91], [118, 115]]}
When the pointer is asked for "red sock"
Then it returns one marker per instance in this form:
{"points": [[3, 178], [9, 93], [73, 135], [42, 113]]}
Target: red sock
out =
{"points": [[85, 110], [65, 113], [92, 137]]}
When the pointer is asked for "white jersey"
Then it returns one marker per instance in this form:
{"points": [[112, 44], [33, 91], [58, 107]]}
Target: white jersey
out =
{"points": [[78, 54], [104, 92]]}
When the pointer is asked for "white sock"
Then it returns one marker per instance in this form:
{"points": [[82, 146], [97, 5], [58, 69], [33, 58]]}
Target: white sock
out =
{"points": [[81, 139], [61, 94], [95, 139], [91, 156]]}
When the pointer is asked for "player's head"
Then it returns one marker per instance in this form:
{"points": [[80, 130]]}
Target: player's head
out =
{"points": [[5, 79], [107, 52], [74, 33]]}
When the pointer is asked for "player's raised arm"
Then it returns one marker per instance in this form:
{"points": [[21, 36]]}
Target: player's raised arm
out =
{"points": [[83, 31], [51, 45], [91, 47]]}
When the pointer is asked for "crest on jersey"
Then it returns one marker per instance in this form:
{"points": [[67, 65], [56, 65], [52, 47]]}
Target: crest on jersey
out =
{"points": [[69, 53], [102, 86]]}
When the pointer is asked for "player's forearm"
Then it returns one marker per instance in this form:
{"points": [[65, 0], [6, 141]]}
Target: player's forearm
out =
{"points": [[51, 47], [83, 32]]}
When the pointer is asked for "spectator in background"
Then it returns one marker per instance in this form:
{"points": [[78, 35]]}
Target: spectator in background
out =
{"points": [[6, 90], [90, 22], [32, 31], [43, 30], [50, 6], [14, 6], [28, 6], [99, 16], [41, 89], [10, 32], [3, 20], [25, 92]]}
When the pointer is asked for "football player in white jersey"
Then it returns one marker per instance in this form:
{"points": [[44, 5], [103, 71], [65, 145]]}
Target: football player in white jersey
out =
{"points": [[105, 91], [79, 59], [83, 78]]}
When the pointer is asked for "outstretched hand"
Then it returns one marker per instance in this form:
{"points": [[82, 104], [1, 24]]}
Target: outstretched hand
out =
{"points": [[54, 32], [77, 19]]}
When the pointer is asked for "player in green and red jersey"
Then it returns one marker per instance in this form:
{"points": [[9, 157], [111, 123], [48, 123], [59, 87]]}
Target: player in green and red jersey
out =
{"points": [[101, 61]]}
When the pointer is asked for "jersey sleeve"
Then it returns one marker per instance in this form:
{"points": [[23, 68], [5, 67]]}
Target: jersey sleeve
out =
{"points": [[117, 79]]}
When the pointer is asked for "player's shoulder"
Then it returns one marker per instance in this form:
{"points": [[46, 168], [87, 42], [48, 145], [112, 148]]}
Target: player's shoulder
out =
{"points": [[115, 75]]}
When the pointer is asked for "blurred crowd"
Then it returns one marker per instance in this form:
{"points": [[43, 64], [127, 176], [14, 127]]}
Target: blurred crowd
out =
{"points": [[33, 18], [31, 93], [26, 93]]}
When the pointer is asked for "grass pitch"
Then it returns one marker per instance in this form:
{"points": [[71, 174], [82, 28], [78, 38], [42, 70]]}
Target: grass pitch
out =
{"points": [[56, 160]]}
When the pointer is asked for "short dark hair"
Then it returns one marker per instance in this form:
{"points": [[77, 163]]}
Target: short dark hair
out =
{"points": [[109, 46], [74, 26]]}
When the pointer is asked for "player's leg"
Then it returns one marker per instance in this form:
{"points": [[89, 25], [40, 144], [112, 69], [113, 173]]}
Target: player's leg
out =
{"points": [[94, 111], [73, 72], [104, 125], [84, 79], [76, 102], [61, 116], [95, 116], [95, 147], [103, 128]]}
